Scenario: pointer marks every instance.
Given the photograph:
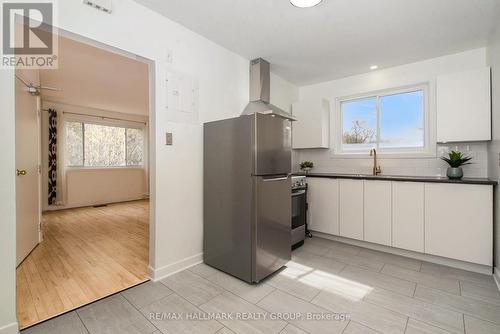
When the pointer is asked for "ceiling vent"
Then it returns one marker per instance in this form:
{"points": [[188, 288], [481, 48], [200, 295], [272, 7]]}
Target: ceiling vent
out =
{"points": [[103, 5]]}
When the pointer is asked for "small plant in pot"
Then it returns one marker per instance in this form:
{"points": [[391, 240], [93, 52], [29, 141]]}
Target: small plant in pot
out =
{"points": [[306, 166], [456, 160]]}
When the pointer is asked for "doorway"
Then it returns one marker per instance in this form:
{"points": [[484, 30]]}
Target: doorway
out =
{"points": [[83, 179]]}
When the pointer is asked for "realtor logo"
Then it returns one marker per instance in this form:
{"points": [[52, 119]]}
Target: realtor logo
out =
{"points": [[28, 39]]}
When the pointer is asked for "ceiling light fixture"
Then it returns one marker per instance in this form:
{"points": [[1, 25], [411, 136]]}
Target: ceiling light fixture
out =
{"points": [[373, 67], [305, 3]]}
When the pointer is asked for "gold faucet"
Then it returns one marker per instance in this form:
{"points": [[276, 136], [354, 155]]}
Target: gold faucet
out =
{"points": [[376, 169]]}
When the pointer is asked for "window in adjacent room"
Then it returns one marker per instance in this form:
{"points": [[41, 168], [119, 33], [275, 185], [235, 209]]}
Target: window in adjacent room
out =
{"points": [[394, 121], [97, 145]]}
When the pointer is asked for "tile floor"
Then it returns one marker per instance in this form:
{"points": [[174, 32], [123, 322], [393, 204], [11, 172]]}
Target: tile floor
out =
{"points": [[353, 290]]}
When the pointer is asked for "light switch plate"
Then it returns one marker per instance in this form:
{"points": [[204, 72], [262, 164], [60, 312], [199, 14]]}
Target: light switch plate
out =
{"points": [[169, 139]]}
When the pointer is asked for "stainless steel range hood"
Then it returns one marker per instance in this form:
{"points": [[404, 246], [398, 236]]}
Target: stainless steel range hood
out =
{"points": [[260, 88]]}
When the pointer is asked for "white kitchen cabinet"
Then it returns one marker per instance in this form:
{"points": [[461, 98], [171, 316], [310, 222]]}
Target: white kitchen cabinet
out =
{"points": [[377, 212], [464, 106], [323, 198], [351, 208], [459, 222], [311, 130], [408, 216]]}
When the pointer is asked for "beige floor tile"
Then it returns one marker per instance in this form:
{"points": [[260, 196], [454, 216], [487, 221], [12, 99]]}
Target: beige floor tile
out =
{"points": [[354, 260], [291, 329], [146, 293], [401, 261], [114, 315], [64, 324], [250, 292], [485, 293], [314, 248], [473, 307], [282, 302], [317, 262], [476, 326], [339, 246], [457, 274], [419, 327], [375, 279], [429, 280], [228, 303], [192, 287], [158, 311], [367, 314], [418, 309], [356, 328], [297, 280], [204, 270], [225, 330]]}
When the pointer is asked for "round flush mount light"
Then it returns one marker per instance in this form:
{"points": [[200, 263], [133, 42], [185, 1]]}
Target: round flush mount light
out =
{"points": [[305, 3], [373, 67]]}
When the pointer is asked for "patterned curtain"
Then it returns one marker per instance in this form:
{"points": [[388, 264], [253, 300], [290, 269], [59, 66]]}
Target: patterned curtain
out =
{"points": [[52, 156]]}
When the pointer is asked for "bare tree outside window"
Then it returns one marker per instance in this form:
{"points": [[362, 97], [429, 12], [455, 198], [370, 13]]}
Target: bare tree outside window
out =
{"points": [[96, 145], [359, 134], [74, 144], [104, 146], [135, 147]]}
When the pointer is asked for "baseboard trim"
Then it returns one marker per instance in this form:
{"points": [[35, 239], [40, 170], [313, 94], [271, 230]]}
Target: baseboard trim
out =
{"points": [[496, 277], [173, 268], [478, 268], [90, 204], [12, 328]]}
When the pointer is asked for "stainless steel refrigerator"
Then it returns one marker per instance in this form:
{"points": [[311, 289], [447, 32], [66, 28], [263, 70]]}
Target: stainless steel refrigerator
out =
{"points": [[247, 193]]}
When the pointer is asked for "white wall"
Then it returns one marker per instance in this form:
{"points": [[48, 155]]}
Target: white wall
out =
{"points": [[176, 176], [410, 74], [494, 145], [8, 205], [86, 187], [283, 93]]}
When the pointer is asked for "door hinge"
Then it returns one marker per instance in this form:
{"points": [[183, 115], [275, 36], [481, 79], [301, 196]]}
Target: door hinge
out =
{"points": [[39, 169]]}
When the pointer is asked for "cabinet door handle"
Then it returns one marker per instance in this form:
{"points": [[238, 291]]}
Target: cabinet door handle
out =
{"points": [[21, 172]]}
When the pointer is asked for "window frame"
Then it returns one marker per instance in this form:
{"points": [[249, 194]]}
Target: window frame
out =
{"points": [[111, 123], [429, 147]]}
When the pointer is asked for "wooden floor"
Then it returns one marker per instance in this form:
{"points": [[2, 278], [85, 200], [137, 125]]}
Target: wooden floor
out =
{"points": [[86, 254]]}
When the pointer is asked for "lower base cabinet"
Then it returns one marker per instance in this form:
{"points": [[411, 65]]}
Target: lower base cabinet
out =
{"points": [[377, 212], [444, 219], [323, 198], [459, 222], [351, 208], [408, 216]]}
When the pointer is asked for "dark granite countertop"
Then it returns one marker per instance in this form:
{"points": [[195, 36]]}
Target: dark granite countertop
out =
{"points": [[433, 179]]}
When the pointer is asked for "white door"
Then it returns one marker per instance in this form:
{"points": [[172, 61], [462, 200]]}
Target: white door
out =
{"points": [[27, 174]]}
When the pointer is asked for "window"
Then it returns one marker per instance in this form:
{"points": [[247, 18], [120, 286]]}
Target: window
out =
{"points": [[96, 145], [394, 121]]}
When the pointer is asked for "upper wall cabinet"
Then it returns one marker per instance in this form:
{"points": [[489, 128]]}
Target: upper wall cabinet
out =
{"points": [[464, 106], [311, 130]]}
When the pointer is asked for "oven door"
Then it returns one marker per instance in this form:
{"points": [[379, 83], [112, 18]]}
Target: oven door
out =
{"points": [[298, 208]]}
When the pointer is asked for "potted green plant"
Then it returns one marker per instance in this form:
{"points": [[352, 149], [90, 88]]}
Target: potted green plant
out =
{"points": [[456, 160], [306, 166]]}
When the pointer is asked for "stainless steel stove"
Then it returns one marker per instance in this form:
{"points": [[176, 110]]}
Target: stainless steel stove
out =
{"points": [[299, 211]]}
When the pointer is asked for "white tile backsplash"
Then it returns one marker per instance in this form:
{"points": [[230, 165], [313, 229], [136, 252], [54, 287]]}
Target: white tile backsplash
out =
{"points": [[324, 162]]}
